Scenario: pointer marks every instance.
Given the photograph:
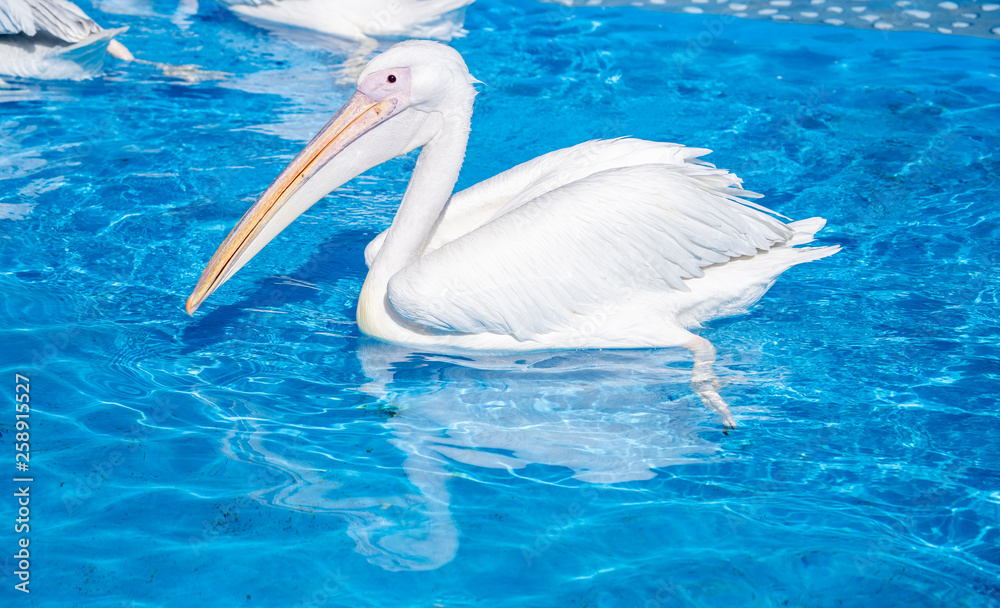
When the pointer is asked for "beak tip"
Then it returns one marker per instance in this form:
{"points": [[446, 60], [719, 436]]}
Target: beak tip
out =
{"points": [[191, 306]]}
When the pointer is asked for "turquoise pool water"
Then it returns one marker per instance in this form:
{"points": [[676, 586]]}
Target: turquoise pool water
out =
{"points": [[264, 453]]}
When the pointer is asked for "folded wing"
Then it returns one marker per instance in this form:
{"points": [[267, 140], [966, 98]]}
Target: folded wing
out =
{"points": [[553, 251], [59, 18]]}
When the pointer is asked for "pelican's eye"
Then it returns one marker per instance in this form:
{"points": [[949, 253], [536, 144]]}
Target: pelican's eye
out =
{"points": [[392, 82]]}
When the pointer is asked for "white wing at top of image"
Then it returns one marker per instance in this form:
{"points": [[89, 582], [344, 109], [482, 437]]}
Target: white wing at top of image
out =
{"points": [[59, 18]]}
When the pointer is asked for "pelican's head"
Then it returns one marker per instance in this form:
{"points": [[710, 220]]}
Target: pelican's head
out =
{"points": [[405, 97]]}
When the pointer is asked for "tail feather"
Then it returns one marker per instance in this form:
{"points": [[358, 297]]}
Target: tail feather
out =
{"points": [[89, 52], [816, 253], [805, 230]]}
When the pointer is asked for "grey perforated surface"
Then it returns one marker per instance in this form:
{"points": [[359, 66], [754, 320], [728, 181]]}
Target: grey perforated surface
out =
{"points": [[963, 18]]}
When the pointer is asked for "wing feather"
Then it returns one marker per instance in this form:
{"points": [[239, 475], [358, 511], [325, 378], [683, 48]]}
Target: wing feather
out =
{"points": [[573, 248], [16, 18], [502, 193], [63, 19], [59, 18]]}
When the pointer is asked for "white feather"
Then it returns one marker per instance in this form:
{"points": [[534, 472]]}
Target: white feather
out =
{"points": [[53, 39], [58, 18], [362, 19], [16, 18], [554, 240]]}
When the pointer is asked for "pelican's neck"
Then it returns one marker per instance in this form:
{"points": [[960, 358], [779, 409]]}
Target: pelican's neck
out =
{"points": [[430, 188]]}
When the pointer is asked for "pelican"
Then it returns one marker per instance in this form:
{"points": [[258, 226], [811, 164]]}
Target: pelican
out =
{"points": [[618, 243], [360, 20], [53, 39]]}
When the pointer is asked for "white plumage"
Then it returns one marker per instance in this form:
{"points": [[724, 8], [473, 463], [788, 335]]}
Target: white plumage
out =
{"points": [[609, 244], [575, 230], [53, 39], [358, 20]]}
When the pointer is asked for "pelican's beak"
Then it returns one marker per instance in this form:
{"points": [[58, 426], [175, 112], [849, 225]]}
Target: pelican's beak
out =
{"points": [[270, 214]]}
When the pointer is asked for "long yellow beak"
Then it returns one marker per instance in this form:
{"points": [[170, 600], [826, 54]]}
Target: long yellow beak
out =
{"points": [[359, 115]]}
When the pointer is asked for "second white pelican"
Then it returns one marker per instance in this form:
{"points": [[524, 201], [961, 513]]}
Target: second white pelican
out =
{"points": [[362, 19], [54, 39], [609, 244]]}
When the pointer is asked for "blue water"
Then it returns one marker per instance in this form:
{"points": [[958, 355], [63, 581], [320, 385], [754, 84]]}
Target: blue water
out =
{"points": [[264, 453]]}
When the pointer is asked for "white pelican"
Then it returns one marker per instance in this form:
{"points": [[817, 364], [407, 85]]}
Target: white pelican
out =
{"points": [[359, 20], [53, 39], [609, 244]]}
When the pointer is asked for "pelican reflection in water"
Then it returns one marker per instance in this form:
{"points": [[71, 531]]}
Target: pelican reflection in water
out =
{"points": [[609, 244], [599, 417]]}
